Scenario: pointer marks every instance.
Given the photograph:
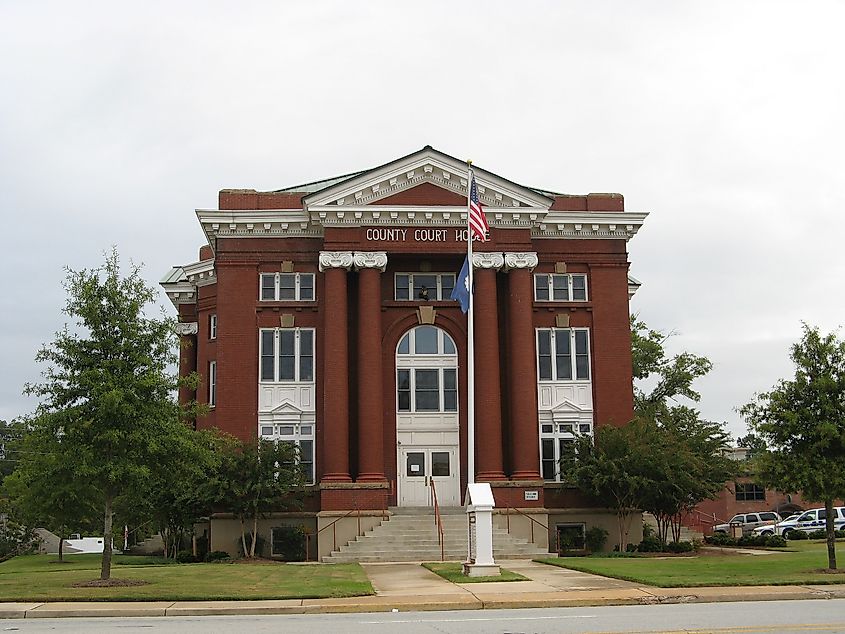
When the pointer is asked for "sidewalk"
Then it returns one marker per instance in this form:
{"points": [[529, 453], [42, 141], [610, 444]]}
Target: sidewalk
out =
{"points": [[408, 587]]}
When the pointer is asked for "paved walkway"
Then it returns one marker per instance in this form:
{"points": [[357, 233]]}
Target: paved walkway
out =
{"points": [[410, 587]]}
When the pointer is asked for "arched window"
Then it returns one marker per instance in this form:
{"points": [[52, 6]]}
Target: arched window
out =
{"points": [[426, 371]]}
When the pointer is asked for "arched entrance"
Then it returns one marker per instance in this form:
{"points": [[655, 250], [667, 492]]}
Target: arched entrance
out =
{"points": [[428, 441]]}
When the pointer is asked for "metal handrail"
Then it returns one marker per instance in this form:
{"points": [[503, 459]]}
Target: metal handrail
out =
{"points": [[533, 521], [333, 526], [438, 520]]}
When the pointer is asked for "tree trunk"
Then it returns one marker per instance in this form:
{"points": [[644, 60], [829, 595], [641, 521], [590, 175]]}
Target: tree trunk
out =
{"points": [[105, 571], [61, 548], [254, 535], [831, 537], [243, 537]]}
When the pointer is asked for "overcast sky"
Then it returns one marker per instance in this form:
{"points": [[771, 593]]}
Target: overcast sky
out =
{"points": [[723, 120]]}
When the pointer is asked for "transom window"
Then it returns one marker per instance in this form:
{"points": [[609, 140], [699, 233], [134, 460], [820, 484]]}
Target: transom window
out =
{"points": [[426, 340], [424, 286], [287, 287], [300, 435], [287, 354], [563, 354], [559, 287]]}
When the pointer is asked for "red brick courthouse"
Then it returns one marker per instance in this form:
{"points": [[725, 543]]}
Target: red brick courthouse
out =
{"points": [[320, 315]]}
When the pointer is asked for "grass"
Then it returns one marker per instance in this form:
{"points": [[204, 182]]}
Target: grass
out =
{"points": [[804, 564], [453, 572], [43, 578]]}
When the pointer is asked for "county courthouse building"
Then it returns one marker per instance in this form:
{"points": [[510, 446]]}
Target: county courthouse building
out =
{"points": [[321, 315]]}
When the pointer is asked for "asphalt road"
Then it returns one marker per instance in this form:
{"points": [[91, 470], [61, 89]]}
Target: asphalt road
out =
{"points": [[783, 617]]}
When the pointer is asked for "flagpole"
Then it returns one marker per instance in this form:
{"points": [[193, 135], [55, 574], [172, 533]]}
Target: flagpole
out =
{"points": [[470, 345]]}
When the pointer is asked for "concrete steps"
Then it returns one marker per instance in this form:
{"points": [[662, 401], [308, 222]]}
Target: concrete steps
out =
{"points": [[410, 534]]}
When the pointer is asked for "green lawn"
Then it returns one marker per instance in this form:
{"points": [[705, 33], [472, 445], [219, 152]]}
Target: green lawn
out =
{"points": [[454, 572], [801, 565], [43, 578]]}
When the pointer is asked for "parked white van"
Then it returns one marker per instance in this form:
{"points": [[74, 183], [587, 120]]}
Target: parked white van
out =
{"points": [[808, 521]]}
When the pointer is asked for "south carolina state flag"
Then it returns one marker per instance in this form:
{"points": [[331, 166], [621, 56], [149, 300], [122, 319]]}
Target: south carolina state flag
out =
{"points": [[461, 291]]}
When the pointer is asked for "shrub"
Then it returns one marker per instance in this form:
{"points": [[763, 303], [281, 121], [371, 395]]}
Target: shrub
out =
{"points": [[217, 555], [753, 540], [796, 535], [260, 545], [650, 544], [818, 534], [775, 541], [289, 542], [720, 539], [680, 547], [186, 557], [839, 534], [595, 538]]}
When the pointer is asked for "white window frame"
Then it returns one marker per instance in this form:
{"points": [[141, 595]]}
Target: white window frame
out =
{"points": [[277, 339], [550, 281], [293, 432], [557, 432], [212, 326], [441, 391], [212, 383], [277, 277], [573, 354], [434, 295]]}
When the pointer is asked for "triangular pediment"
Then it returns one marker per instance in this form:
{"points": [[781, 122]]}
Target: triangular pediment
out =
{"points": [[428, 167], [286, 408], [566, 407]]}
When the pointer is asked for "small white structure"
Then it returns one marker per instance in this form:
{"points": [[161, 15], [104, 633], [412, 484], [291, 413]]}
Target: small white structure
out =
{"points": [[480, 505]]}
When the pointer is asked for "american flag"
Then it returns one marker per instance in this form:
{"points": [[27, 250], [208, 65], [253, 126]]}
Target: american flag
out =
{"points": [[477, 221]]}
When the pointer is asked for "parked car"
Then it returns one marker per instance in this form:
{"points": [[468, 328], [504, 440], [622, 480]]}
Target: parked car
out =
{"points": [[808, 521], [748, 521]]}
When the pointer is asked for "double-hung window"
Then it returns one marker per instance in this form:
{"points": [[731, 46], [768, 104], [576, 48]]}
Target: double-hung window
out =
{"points": [[563, 354], [424, 286], [287, 355], [212, 326], [287, 287], [212, 383], [560, 287]]}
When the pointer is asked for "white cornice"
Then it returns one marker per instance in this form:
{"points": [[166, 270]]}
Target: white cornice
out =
{"points": [[263, 223], [589, 225], [333, 216], [201, 273]]}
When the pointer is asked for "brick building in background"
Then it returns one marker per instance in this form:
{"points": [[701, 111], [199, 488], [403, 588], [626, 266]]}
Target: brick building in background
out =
{"points": [[320, 315]]}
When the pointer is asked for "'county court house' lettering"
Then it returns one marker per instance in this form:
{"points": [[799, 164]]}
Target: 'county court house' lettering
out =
{"points": [[320, 315]]}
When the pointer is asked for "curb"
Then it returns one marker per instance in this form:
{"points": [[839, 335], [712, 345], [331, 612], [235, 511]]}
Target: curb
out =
{"points": [[417, 603]]}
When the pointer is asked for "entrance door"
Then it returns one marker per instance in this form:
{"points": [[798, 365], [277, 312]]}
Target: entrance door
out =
{"points": [[420, 465]]}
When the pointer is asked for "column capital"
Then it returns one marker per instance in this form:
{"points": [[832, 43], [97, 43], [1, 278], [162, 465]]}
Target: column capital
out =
{"points": [[187, 328], [493, 260], [370, 260], [335, 260], [520, 261]]}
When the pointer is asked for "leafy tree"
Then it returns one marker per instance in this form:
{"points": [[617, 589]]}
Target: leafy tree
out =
{"points": [[174, 499], [616, 470], [11, 435], [802, 422], [691, 464], [254, 478], [44, 490], [107, 392]]}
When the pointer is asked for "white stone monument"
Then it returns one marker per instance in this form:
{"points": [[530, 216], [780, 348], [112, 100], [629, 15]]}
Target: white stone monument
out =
{"points": [[480, 505]]}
